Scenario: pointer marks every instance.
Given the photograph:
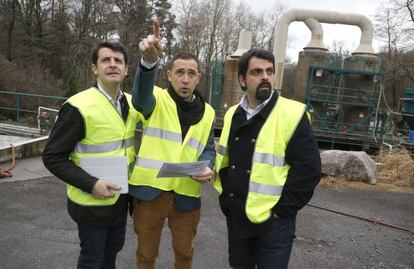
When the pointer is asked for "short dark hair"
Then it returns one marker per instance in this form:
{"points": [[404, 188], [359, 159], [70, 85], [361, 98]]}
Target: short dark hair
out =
{"points": [[113, 45], [258, 53], [184, 56]]}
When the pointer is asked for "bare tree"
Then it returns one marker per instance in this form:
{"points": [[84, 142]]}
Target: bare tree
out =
{"points": [[339, 47], [8, 12], [406, 6], [210, 29], [217, 9], [394, 28]]}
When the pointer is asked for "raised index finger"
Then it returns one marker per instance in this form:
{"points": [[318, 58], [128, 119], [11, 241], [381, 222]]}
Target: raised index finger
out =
{"points": [[156, 28]]}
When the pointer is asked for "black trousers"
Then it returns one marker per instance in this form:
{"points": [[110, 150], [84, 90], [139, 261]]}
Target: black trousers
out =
{"points": [[268, 251], [100, 245]]}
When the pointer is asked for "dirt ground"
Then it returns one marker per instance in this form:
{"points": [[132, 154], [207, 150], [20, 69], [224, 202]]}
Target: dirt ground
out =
{"points": [[395, 173]]}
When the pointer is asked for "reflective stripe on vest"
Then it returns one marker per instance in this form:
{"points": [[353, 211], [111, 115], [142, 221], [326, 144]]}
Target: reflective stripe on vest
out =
{"points": [[173, 137], [269, 169], [162, 142], [269, 159], [163, 134], [106, 147], [148, 163], [265, 189], [106, 134]]}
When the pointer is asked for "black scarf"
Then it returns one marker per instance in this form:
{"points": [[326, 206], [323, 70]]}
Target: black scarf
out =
{"points": [[189, 113]]}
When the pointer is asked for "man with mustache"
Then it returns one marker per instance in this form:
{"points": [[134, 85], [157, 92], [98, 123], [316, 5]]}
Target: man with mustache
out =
{"points": [[267, 167], [177, 129], [99, 121]]}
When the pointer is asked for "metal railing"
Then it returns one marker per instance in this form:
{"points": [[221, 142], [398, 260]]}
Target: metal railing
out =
{"points": [[19, 107]]}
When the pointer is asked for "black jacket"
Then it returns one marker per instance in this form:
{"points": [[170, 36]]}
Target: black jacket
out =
{"points": [[302, 154]]}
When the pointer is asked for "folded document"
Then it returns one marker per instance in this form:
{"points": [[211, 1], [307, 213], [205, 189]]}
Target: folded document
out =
{"points": [[182, 169], [113, 169]]}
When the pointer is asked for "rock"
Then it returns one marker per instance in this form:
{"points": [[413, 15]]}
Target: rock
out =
{"points": [[352, 165]]}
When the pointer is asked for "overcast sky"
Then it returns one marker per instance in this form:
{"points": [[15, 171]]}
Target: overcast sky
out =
{"points": [[299, 34]]}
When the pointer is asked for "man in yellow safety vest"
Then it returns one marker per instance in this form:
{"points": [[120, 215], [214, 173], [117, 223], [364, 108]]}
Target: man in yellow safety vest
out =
{"points": [[177, 129], [99, 121], [267, 167]]}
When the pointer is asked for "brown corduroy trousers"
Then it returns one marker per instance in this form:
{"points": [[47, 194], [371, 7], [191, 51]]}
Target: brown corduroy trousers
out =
{"points": [[149, 218]]}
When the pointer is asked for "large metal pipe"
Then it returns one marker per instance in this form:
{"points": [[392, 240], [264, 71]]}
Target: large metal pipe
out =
{"points": [[281, 33], [316, 42], [245, 43]]}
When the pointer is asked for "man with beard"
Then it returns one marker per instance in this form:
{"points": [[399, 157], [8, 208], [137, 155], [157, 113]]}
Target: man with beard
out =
{"points": [[177, 129], [267, 167]]}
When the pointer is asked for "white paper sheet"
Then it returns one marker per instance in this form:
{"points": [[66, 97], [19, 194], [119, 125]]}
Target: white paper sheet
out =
{"points": [[182, 169], [110, 168]]}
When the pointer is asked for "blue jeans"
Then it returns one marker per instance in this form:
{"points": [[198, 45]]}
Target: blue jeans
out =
{"points": [[268, 251], [99, 246]]}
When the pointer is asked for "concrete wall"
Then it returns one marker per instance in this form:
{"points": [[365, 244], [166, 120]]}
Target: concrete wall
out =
{"points": [[306, 59], [29, 148], [232, 93]]}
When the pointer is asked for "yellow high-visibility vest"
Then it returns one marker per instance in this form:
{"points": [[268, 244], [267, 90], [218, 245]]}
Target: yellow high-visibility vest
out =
{"points": [[106, 134], [162, 142], [269, 169]]}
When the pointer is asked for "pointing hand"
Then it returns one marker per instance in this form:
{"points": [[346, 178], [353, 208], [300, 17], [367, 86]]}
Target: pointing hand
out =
{"points": [[150, 47]]}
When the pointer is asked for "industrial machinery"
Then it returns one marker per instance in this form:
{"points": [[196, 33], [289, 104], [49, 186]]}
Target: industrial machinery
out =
{"points": [[344, 95], [344, 98], [407, 110]]}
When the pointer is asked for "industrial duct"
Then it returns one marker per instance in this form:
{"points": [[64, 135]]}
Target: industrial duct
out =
{"points": [[245, 43], [316, 42], [281, 33]]}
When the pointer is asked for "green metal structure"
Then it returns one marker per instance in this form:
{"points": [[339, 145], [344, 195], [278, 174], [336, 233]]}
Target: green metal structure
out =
{"points": [[341, 114], [216, 85]]}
